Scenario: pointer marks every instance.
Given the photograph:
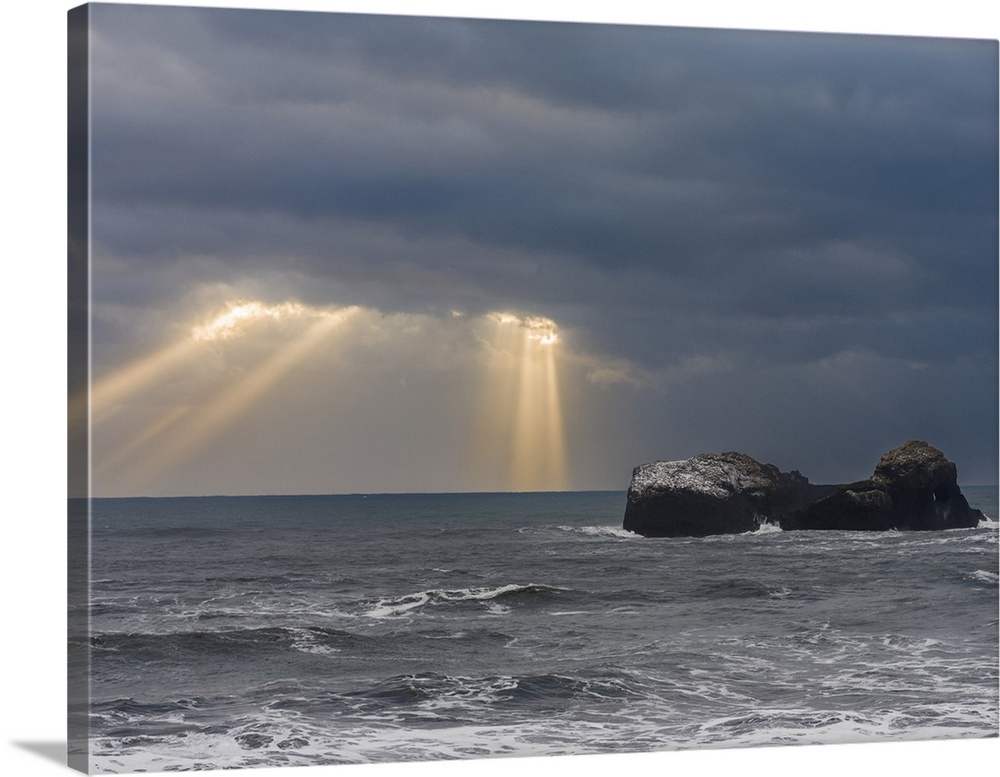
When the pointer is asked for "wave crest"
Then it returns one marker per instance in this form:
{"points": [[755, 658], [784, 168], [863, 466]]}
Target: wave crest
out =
{"points": [[402, 605], [617, 532]]}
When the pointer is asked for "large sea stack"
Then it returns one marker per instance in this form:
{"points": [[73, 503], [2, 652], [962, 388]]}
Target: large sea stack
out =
{"points": [[914, 487], [713, 493]]}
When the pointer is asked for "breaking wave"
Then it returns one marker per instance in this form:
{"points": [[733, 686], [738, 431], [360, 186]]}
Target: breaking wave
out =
{"points": [[603, 531], [403, 605]]}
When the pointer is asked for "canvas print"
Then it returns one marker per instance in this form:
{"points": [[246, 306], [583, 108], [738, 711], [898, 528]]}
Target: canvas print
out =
{"points": [[455, 389]]}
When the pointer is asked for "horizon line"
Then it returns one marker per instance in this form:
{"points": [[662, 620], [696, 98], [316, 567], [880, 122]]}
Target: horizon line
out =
{"points": [[364, 494]]}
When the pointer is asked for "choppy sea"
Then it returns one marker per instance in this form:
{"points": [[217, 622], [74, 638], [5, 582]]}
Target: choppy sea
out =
{"points": [[251, 631]]}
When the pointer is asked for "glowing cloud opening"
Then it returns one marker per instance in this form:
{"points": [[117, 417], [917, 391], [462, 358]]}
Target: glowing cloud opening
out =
{"points": [[541, 330], [233, 321]]}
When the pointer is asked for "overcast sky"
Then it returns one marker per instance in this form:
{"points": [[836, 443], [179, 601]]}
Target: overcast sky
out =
{"points": [[779, 243]]}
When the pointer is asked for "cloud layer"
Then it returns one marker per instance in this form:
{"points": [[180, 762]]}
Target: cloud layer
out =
{"points": [[783, 243]]}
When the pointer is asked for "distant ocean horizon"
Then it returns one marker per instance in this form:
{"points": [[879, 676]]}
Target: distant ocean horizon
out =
{"points": [[292, 495], [240, 631]]}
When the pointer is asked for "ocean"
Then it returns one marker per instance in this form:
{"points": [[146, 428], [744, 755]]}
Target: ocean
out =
{"points": [[260, 631]]}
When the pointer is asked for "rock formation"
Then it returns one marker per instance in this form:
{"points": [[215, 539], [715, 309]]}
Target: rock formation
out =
{"points": [[724, 493], [913, 487]]}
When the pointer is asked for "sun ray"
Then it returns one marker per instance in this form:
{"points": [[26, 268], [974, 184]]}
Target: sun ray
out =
{"points": [[490, 459], [135, 377], [527, 462], [143, 438], [519, 439], [228, 407], [179, 431], [554, 417]]}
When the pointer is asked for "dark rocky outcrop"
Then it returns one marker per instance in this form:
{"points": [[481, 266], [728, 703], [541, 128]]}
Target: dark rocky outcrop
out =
{"points": [[913, 487], [724, 493]]}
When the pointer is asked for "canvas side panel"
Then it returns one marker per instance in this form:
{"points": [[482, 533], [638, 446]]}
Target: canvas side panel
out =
{"points": [[78, 416]]}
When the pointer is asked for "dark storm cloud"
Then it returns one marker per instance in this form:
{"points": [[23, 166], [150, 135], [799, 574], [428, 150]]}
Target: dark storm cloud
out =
{"points": [[759, 199]]}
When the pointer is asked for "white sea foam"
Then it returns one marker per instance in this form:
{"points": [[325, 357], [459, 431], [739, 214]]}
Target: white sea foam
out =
{"points": [[389, 608], [983, 576], [771, 727], [603, 531], [307, 642], [284, 738], [393, 607], [287, 741]]}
